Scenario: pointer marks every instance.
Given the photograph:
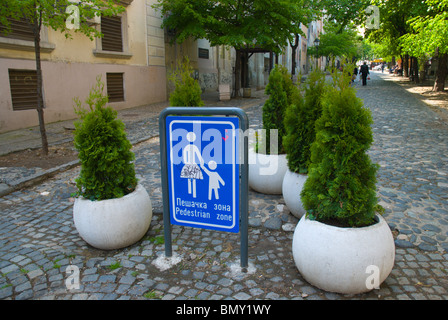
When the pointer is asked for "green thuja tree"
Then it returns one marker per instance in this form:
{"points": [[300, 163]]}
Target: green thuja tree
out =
{"points": [[107, 168], [341, 180], [300, 119], [187, 91], [282, 92]]}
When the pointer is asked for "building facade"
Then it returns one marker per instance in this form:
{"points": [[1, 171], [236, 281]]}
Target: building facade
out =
{"points": [[130, 59], [134, 59], [215, 65]]}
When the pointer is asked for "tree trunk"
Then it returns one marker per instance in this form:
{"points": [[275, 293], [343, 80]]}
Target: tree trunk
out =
{"points": [[416, 75], [245, 69], [422, 71], [441, 74], [406, 65], [237, 73], [241, 70], [414, 70], [40, 101]]}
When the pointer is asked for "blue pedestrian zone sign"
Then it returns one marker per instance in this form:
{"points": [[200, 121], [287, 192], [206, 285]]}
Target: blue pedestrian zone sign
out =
{"points": [[203, 172]]}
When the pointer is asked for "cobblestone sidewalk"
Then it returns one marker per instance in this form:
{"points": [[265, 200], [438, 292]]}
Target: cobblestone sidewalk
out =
{"points": [[38, 240]]}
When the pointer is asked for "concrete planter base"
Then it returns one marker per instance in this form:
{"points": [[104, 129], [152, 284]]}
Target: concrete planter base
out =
{"points": [[343, 260], [291, 188], [266, 172], [114, 223]]}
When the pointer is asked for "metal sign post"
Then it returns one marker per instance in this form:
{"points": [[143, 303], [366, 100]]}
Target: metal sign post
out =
{"points": [[204, 164]]}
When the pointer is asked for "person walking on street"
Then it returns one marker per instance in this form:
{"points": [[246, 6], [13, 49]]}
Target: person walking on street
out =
{"points": [[364, 71]]}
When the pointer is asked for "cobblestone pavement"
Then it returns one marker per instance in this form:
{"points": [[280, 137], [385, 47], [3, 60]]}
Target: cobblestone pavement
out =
{"points": [[38, 240]]}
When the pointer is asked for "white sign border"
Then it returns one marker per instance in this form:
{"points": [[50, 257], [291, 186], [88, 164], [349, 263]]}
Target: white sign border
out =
{"points": [[171, 157]]}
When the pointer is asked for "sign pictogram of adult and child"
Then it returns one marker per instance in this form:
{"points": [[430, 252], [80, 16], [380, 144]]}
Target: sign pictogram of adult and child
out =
{"points": [[194, 166]]}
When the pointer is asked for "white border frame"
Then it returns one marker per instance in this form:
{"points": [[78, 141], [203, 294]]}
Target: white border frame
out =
{"points": [[171, 178]]}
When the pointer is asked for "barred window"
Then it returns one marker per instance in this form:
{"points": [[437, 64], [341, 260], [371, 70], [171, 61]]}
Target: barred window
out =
{"points": [[203, 53], [112, 39], [23, 84], [115, 87], [18, 29]]}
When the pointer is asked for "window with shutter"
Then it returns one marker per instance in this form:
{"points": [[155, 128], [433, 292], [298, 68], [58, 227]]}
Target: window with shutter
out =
{"points": [[115, 87], [112, 39], [203, 53], [23, 84], [19, 29]]}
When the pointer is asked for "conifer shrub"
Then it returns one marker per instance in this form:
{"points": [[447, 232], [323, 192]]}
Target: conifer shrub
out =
{"points": [[107, 169], [341, 180], [282, 92], [187, 91], [300, 118]]}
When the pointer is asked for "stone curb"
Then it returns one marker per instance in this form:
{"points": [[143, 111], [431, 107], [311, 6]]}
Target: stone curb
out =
{"points": [[36, 178], [6, 189]]}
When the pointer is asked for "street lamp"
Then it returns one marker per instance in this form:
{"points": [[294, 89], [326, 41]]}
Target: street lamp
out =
{"points": [[316, 44]]}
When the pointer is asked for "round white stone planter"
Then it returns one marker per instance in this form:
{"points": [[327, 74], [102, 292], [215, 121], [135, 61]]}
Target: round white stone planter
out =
{"points": [[291, 189], [266, 172], [343, 260], [114, 223]]}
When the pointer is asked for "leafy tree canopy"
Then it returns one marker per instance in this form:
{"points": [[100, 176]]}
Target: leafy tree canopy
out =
{"points": [[335, 43], [430, 31], [267, 24], [394, 16], [53, 13], [345, 12]]}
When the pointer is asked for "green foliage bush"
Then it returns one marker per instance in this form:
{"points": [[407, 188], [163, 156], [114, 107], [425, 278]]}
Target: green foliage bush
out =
{"points": [[300, 118], [187, 91], [282, 92], [341, 180], [107, 170]]}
